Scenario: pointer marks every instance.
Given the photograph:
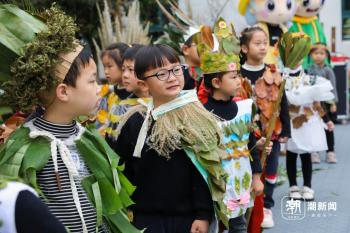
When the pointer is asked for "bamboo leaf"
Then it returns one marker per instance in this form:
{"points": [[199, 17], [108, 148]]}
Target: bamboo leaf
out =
{"points": [[17, 27], [37, 154], [10, 41], [98, 204], [121, 223]]}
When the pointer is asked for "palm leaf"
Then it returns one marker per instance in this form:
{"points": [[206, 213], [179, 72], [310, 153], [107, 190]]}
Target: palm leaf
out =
{"points": [[17, 28]]}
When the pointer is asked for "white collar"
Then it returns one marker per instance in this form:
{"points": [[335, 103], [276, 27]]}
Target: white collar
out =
{"points": [[184, 98], [253, 68]]}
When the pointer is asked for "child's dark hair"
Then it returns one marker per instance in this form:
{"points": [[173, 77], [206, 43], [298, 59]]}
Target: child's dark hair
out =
{"points": [[208, 78], [82, 60], [130, 53], [319, 45], [152, 57], [188, 42], [246, 37], [116, 52]]}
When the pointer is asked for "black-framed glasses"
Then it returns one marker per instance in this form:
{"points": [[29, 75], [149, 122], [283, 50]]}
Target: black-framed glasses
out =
{"points": [[163, 75]]}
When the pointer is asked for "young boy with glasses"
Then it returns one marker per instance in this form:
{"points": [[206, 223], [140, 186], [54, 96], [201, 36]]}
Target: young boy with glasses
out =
{"points": [[171, 150]]}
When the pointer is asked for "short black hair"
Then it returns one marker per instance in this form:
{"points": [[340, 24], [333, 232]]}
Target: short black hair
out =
{"points": [[82, 60], [130, 53], [152, 57], [189, 41], [116, 52], [208, 80]]}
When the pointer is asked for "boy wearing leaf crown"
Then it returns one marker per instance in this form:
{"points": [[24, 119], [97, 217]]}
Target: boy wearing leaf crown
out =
{"points": [[72, 167], [222, 79]]}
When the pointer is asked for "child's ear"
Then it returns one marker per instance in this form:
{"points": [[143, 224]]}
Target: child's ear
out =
{"points": [[142, 85], [244, 49], [215, 82], [62, 92], [185, 50]]}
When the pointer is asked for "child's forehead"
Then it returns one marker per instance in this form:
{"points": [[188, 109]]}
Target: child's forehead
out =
{"points": [[129, 62], [88, 69], [166, 65], [258, 35]]}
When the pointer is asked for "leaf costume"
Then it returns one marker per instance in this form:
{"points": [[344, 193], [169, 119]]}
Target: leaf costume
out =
{"points": [[304, 92], [184, 124], [43, 62], [25, 154], [236, 128], [237, 164]]}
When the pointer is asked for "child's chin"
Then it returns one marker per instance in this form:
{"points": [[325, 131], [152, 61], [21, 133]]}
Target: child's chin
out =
{"points": [[174, 92]]}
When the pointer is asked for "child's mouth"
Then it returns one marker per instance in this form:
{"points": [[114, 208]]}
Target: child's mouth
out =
{"points": [[309, 10], [174, 87]]}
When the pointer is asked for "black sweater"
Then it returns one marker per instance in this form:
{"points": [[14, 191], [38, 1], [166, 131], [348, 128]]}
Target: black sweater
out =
{"points": [[253, 76], [164, 187], [227, 110], [33, 216]]}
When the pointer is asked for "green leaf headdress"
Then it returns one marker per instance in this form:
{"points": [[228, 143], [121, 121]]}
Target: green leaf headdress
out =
{"points": [[226, 58], [180, 29], [38, 53]]}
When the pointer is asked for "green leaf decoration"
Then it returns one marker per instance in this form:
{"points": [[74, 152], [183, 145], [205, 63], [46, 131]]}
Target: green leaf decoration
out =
{"points": [[246, 180], [237, 185], [37, 154], [234, 144], [98, 204], [227, 57], [293, 47], [227, 45], [119, 223], [21, 157]]}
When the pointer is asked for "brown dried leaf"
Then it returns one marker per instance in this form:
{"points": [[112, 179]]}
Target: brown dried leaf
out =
{"points": [[274, 92], [268, 76], [261, 88], [293, 108], [299, 121]]}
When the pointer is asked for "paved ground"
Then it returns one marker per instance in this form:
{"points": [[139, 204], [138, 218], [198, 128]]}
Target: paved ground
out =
{"points": [[331, 184]]}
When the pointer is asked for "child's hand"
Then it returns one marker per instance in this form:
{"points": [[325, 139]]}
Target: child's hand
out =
{"points": [[260, 144], [330, 126], [257, 185], [333, 108], [200, 226], [283, 140]]}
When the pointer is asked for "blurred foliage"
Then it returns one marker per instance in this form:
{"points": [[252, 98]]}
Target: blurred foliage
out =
{"points": [[85, 13]]}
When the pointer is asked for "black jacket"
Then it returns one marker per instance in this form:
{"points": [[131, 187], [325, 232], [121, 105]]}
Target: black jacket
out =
{"points": [[164, 187]]}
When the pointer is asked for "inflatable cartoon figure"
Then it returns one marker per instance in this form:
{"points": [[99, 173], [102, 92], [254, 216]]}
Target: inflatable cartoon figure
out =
{"points": [[306, 20]]}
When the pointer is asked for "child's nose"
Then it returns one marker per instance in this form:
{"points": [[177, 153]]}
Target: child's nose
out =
{"points": [[172, 77]]}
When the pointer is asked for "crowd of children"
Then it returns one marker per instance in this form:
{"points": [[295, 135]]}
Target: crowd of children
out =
{"points": [[177, 147]]}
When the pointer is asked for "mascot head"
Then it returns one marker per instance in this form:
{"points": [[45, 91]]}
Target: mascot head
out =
{"points": [[309, 8], [268, 11]]}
